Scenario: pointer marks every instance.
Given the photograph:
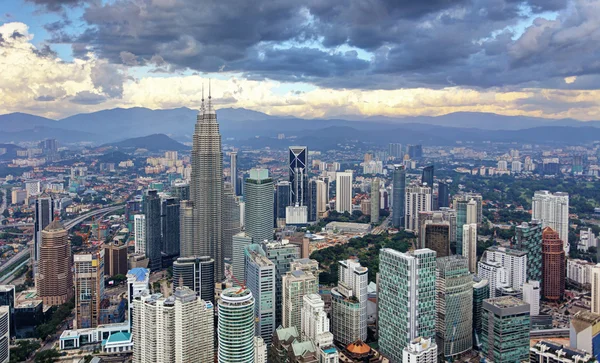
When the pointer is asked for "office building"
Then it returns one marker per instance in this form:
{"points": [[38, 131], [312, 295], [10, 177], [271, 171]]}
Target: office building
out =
{"points": [[295, 284], [469, 242], [260, 280], [139, 233], [315, 328], [7, 298], [153, 229], [231, 219], [418, 199], [196, 273], [236, 326], [427, 176], [532, 295], [138, 284], [505, 330], [259, 206], [494, 272], [349, 303], [481, 292], [343, 191], [260, 350], [584, 332], [233, 172], [298, 175], [398, 196], [181, 191], [5, 334], [420, 350], [395, 150], [206, 188], [553, 265], [115, 258], [44, 213], [238, 257], [595, 277], [435, 234], [281, 253], [415, 151], [529, 239], [187, 246], [406, 299], [365, 207], [177, 329], [443, 195], [466, 213], [55, 279], [312, 214], [170, 227], [89, 288], [375, 200], [454, 306], [283, 199], [552, 210], [549, 352]]}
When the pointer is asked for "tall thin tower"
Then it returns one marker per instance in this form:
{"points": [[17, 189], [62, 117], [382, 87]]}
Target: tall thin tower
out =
{"points": [[206, 187]]}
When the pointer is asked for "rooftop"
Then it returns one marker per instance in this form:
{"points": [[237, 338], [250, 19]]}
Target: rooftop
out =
{"points": [[587, 316], [506, 302], [139, 273]]}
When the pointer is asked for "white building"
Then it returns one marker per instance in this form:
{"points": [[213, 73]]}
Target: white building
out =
{"points": [[469, 242], [531, 295], [315, 327], [513, 261], [296, 214], [260, 350], [373, 167], [596, 289], [502, 165], [349, 303], [420, 350], [177, 329], [579, 271], [587, 239], [139, 233], [322, 198], [552, 210], [33, 187], [516, 166], [138, 284], [343, 192], [494, 272], [418, 199]]}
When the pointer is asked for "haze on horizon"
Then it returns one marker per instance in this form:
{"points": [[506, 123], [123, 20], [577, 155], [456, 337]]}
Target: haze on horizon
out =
{"points": [[308, 59]]}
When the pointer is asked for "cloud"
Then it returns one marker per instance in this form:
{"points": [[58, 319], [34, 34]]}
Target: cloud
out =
{"points": [[57, 5], [88, 98]]}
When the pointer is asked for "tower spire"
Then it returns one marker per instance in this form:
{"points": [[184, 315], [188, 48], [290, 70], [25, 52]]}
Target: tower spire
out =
{"points": [[209, 109]]}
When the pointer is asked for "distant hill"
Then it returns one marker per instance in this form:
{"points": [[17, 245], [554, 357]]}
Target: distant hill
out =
{"points": [[39, 133], [154, 142], [18, 121], [11, 151]]}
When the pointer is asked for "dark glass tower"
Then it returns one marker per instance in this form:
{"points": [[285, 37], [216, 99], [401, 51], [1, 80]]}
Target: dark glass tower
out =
{"points": [[44, 212], [283, 192], [427, 176], [298, 171], [197, 273], [312, 200], [399, 196], [153, 229], [443, 195], [170, 227], [415, 151]]}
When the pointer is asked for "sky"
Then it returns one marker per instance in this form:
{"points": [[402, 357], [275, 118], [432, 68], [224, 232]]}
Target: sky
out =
{"points": [[311, 58]]}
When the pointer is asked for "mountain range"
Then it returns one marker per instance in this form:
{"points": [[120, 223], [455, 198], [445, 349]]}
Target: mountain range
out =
{"points": [[250, 127]]}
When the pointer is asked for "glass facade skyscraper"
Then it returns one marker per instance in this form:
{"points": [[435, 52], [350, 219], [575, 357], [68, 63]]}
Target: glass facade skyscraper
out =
{"points": [[505, 330], [197, 273], [153, 229], [529, 239], [398, 196], [260, 279], [170, 227], [236, 326], [298, 174], [259, 206]]}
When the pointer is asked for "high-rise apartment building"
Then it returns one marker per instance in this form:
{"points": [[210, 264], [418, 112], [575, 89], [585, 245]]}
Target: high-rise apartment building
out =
{"points": [[138, 284], [454, 323], [298, 174], [406, 299], [259, 206], [505, 330], [315, 328], [4, 334], [532, 295], [236, 326], [281, 253], [55, 278], [89, 288], [420, 350], [177, 329], [349, 303], [153, 229], [418, 199], [395, 150], [494, 272], [375, 200], [170, 226], [553, 265], [295, 284], [398, 195], [552, 210], [469, 242], [206, 187], [529, 239], [196, 273], [343, 191], [260, 279], [44, 213], [231, 219], [139, 230]]}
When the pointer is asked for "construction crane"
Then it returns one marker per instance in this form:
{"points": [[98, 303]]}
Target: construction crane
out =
{"points": [[242, 285]]}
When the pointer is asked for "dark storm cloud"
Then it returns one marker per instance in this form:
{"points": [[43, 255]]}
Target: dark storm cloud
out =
{"points": [[433, 43], [88, 98], [57, 5], [45, 51]]}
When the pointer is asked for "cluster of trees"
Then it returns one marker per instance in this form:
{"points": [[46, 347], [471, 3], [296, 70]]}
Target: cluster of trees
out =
{"points": [[23, 350], [59, 315], [365, 248]]}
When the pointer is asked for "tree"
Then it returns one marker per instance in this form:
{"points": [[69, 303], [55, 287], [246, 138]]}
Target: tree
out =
{"points": [[76, 240], [47, 356]]}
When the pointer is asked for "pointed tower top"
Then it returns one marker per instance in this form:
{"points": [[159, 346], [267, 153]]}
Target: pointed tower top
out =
{"points": [[210, 110]]}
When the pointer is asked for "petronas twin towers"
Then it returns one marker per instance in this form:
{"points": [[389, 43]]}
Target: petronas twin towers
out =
{"points": [[206, 191]]}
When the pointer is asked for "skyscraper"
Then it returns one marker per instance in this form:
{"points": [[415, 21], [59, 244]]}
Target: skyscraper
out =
{"points": [[415, 151], [238, 257], [187, 246], [139, 230], [398, 197], [595, 289], [395, 150], [418, 199], [4, 334], [427, 176], [296, 284], [138, 284], [529, 239], [481, 292], [469, 248], [89, 288], [434, 233], [443, 195], [197, 273], [349, 302], [206, 187], [260, 279], [55, 279], [231, 219], [553, 265], [315, 328], [343, 191], [181, 191], [505, 330], [153, 229], [406, 299], [44, 213], [466, 213], [531, 295], [236, 326], [552, 210], [178, 329], [298, 174], [170, 227], [283, 192], [259, 206], [454, 286], [313, 196], [8, 298], [233, 171], [375, 200]]}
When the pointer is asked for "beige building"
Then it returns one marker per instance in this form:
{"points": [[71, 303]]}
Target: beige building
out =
{"points": [[55, 278]]}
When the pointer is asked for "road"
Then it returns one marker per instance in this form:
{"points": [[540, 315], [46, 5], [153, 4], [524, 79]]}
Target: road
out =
{"points": [[383, 226]]}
